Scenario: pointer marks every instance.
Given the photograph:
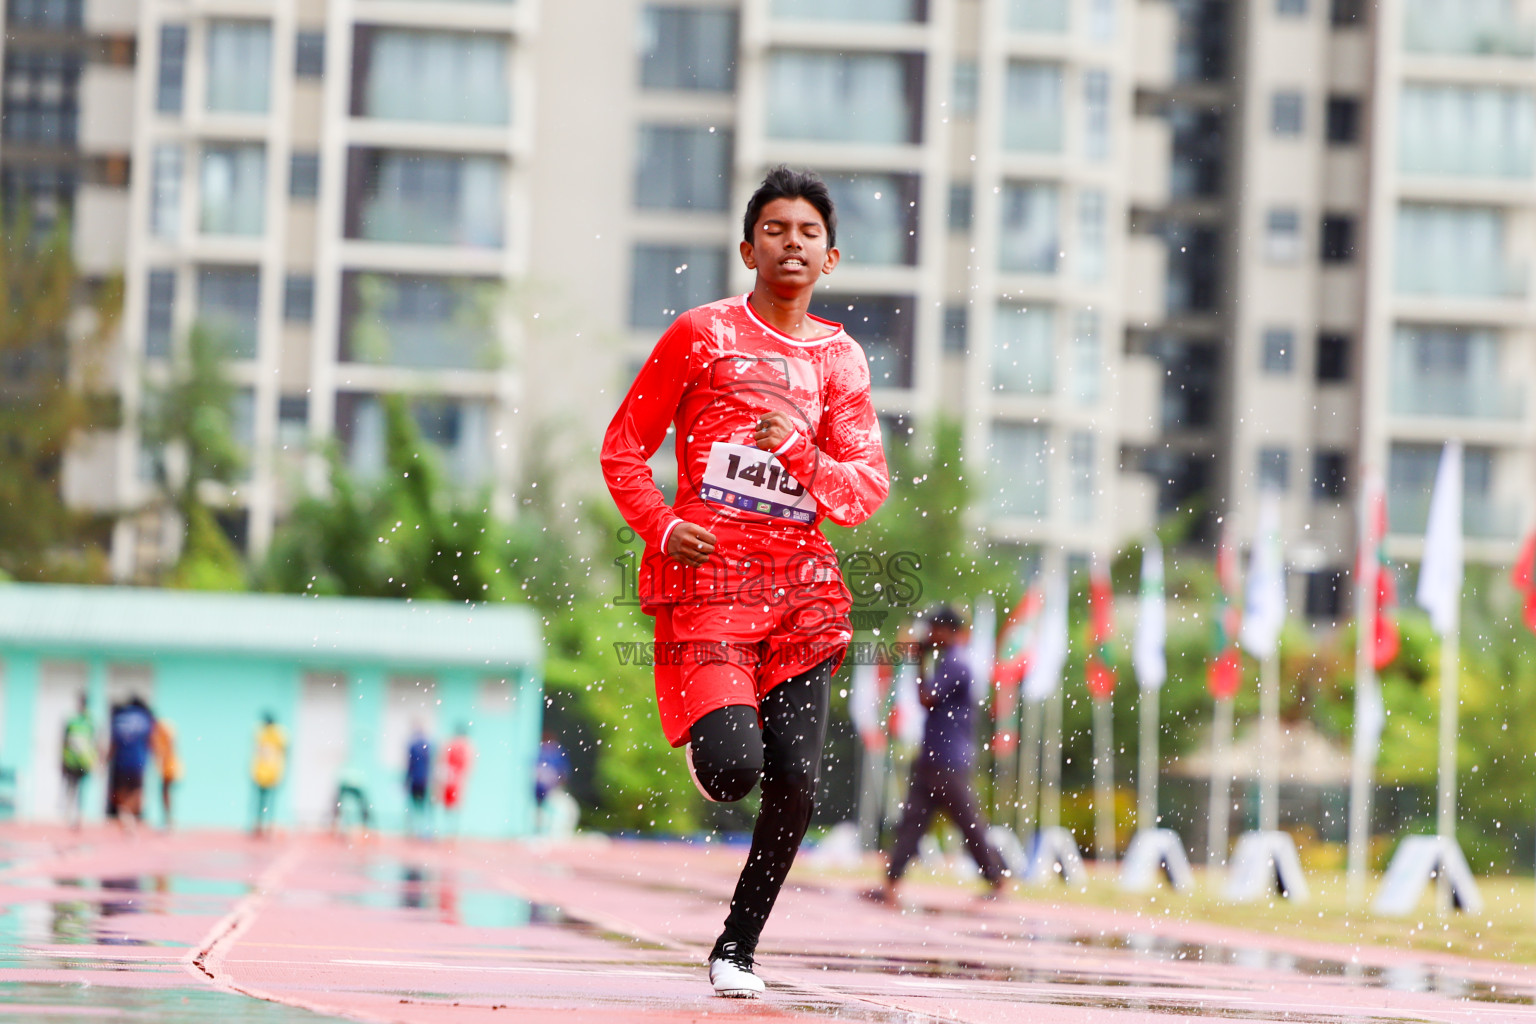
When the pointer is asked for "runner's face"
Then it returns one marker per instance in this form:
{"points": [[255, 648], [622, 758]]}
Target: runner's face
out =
{"points": [[789, 245]]}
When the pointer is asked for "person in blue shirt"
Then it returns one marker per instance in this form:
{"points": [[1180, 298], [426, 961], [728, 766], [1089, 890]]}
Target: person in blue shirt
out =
{"points": [[941, 775], [418, 780], [127, 755]]}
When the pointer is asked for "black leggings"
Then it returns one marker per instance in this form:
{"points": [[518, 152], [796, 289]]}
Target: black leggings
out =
{"points": [[731, 752]]}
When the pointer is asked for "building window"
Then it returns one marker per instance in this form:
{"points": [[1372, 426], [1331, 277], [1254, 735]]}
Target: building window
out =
{"points": [[165, 197], [1338, 238], [876, 217], [173, 68], [430, 76], [852, 10], [1332, 358], [1039, 15], [233, 190], [42, 96], [884, 326], [688, 48], [1347, 13], [1018, 480], [1087, 361], [304, 175], [667, 280], [309, 54], [1454, 250], [1325, 594], [292, 420], [239, 66], [1030, 240], [160, 313], [1343, 120], [1274, 469], [419, 321], [967, 87], [1285, 116], [45, 14], [956, 328], [1101, 20], [1096, 115], [1080, 461], [1279, 350], [228, 301], [683, 167], [1291, 8], [1024, 349], [823, 96], [1282, 235], [299, 298], [1329, 471], [424, 198], [1032, 107], [457, 429], [1479, 131], [962, 200], [1091, 243]]}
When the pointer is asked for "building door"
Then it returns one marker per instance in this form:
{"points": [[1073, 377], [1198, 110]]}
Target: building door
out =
{"points": [[59, 686], [319, 746]]}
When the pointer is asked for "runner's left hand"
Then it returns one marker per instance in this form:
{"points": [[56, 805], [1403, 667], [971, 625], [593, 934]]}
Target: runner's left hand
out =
{"points": [[773, 430]]}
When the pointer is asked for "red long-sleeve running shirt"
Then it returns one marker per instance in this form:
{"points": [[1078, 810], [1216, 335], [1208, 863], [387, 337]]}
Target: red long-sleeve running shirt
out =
{"points": [[711, 377]]}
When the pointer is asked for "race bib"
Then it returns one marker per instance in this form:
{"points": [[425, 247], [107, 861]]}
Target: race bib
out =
{"points": [[742, 477]]}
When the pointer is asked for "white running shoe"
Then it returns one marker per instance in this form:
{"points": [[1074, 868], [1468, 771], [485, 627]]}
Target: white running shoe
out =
{"points": [[694, 775], [731, 974]]}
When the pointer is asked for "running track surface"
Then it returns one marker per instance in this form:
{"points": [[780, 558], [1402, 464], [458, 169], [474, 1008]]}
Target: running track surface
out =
{"points": [[218, 927]]}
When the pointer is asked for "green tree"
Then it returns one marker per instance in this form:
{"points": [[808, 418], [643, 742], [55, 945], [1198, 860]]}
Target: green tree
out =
{"points": [[53, 391]]}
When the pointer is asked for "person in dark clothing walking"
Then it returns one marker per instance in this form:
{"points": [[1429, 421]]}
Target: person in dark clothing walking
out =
{"points": [[941, 775]]}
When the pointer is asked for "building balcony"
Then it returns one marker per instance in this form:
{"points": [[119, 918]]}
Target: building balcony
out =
{"points": [[1456, 397], [1483, 517]]}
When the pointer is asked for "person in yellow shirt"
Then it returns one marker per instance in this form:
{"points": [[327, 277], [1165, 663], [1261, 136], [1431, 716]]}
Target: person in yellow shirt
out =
{"points": [[162, 743], [267, 766]]}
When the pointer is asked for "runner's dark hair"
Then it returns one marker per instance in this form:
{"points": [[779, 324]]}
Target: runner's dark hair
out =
{"points": [[783, 182]]}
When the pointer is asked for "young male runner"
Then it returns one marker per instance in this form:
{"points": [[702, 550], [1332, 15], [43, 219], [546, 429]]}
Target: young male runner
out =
{"points": [[775, 430]]}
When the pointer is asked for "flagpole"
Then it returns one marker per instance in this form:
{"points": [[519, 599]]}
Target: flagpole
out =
{"points": [[1362, 763], [1029, 768], [1450, 678], [1146, 774], [1221, 783], [1103, 782], [1050, 785], [1269, 743]]}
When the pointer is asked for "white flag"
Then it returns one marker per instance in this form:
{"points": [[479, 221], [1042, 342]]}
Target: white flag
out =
{"points": [[983, 648], [910, 713], [1148, 648], [864, 699], [1264, 602], [1050, 655], [1441, 571]]}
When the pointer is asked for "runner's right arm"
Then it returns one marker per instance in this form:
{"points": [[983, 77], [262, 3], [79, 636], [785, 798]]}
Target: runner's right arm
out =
{"points": [[640, 426]]}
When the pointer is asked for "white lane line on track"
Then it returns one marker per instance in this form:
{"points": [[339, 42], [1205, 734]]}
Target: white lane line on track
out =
{"points": [[611, 972]]}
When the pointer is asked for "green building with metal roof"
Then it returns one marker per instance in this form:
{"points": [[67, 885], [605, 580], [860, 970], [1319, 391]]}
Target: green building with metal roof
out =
{"points": [[349, 680]]}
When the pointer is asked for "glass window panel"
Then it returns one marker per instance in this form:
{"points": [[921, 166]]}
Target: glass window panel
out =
{"points": [[1279, 350], [228, 300], [851, 10], [309, 54], [688, 48], [172, 71], [457, 430], [683, 167], [967, 87], [1101, 20], [1477, 131], [1411, 470], [160, 312], [1091, 240], [442, 77], [42, 96], [1039, 15], [1467, 27], [233, 190], [239, 66], [876, 217], [1024, 349], [1032, 104], [1096, 115], [884, 327], [1080, 460], [165, 199], [419, 321], [1087, 359], [304, 175], [299, 298], [669, 279], [840, 97], [1453, 250], [1030, 241], [1274, 469], [1282, 235], [1018, 479], [424, 198], [956, 328], [1285, 113], [1451, 371]]}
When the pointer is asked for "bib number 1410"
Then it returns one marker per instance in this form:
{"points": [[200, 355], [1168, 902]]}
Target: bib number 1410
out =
{"points": [[766, 475]]}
